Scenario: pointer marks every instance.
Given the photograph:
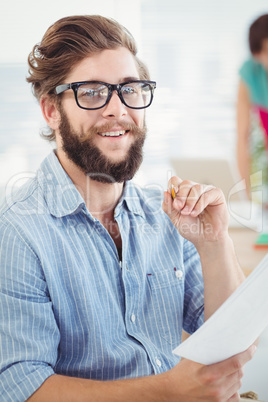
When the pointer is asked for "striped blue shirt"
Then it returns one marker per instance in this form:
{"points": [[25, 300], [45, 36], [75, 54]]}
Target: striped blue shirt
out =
{"points": [[68, 305]]}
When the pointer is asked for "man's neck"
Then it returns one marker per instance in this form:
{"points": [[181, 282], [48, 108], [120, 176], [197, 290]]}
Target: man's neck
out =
{"points": [[100, 198]]}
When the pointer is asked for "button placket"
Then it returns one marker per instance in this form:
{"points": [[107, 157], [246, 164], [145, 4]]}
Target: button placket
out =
{"points": [[158, 362]]}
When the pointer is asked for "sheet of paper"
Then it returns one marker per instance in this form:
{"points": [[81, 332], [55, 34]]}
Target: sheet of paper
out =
{"points": [[235, 325]]}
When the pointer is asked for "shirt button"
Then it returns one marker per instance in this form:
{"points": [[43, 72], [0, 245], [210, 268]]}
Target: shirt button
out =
{"points": [[179, 274], [158, 362], [133, 317]]}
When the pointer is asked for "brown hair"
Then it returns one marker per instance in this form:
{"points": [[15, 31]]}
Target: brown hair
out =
{"points": [[258, 31], [67, 42]]}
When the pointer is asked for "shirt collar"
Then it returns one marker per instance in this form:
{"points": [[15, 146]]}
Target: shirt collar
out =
{"points": [[62, 197], [60, 194], [131, 198]]}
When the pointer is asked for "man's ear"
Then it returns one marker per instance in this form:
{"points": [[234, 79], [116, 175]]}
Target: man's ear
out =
{"points": [[50, 112]]}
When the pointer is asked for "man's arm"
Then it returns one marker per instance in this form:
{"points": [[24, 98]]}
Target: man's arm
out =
{"points": [[187, 381], [199, 212], [222, 274]]}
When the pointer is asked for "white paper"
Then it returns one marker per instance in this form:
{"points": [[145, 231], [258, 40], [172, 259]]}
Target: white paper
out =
{"points": [[235, 325]]}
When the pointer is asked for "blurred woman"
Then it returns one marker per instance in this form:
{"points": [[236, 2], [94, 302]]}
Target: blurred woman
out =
{"points": [[252, 110]]}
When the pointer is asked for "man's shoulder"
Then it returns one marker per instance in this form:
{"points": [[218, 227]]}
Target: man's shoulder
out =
{"points": [[49, 192], [25, 200], [19, 198]]}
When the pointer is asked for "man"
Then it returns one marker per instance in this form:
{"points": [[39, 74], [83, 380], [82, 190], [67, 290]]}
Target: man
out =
{"points": [[97, 280]]}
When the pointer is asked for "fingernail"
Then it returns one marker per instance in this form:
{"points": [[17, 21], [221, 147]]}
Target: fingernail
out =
{"points": [[254, 349]]}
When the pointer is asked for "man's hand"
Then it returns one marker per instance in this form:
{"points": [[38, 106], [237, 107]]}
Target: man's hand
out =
{"points": [[198, 211], [216, 382], [186, 382]]}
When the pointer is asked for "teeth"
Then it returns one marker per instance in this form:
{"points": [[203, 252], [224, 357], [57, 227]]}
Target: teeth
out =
{"points": [[113, 134]]}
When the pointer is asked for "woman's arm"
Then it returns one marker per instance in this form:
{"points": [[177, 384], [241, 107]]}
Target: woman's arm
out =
{"points": [[243, 130]]}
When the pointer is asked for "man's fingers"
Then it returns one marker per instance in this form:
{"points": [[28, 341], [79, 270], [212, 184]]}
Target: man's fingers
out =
{"points": [[173, 185], [187, 195], [235, 363], [208, 196], [235, 397], [226, 376], [190, 197], [174, 181], [235, 382], [180, 190]]}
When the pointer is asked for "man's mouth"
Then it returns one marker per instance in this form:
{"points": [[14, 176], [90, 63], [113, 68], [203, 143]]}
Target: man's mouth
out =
{"points": [[114, 133]]}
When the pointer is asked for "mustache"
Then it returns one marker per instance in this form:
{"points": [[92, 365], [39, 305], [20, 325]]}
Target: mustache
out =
{"points": [[136, 130]]}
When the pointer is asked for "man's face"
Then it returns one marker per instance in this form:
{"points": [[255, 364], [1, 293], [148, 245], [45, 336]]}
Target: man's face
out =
{"points": [[87, 137]]}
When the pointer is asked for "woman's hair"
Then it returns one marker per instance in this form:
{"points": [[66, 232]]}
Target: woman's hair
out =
{"points": [[67, 42], [258, 31]]}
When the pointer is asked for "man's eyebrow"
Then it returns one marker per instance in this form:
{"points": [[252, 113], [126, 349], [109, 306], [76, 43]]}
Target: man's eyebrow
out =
{"points": [[125, 79], [122, 80]]}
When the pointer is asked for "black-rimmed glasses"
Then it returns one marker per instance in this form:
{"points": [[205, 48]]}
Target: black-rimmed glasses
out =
{"points": [[92, 95]]}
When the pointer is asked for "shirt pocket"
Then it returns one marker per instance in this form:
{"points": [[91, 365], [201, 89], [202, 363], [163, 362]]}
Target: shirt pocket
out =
{"points": [[167, 295]]}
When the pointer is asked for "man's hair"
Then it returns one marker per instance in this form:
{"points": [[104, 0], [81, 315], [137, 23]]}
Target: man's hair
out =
{"points": [[258, 31], [67, 42]]}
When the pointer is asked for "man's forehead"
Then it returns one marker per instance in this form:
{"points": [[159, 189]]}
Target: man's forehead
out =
{"points": [[118, 65]]}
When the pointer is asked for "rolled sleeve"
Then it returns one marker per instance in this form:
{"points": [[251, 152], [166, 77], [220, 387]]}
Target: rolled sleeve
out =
{"points": [[28, 331], [193, 316]]}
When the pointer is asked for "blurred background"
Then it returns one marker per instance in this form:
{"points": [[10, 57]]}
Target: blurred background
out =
{"points": [[193, 50]]}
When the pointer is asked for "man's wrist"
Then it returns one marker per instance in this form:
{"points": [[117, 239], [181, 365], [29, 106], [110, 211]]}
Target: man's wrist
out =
{"points": [[211, 249]]}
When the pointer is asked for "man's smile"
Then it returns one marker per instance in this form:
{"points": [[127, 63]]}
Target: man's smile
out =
{"points": [[114, 133]]}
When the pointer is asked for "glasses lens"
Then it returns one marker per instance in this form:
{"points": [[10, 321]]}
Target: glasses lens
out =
{"points": [[92, 95], [137, 94]]}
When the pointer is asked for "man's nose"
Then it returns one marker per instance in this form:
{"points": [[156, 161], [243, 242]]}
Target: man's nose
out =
{"points": [[115, 107]]}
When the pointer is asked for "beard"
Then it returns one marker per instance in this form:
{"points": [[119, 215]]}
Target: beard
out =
{"points": [[82, 151]]}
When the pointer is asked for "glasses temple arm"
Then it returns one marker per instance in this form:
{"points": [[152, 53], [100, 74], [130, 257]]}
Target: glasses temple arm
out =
{"points": [[61, 88]]}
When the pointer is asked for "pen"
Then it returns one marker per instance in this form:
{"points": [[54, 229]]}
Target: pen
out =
{"points": [[173, 194]]}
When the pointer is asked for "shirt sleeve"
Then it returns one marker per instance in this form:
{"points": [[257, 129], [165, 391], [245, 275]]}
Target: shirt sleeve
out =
{"points": [[193, 316], [254, 76], [28, 331]]}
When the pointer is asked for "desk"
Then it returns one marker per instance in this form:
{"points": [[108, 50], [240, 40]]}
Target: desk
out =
{"points": [[256, 371]]}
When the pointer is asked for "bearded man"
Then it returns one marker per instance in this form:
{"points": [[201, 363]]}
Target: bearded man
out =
{"points": [[98, 276]]}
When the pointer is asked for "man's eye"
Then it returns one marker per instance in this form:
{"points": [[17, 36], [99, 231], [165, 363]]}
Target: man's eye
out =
{"points": [[93, 93], [88, 93], [128, 90], [102, 92]]}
